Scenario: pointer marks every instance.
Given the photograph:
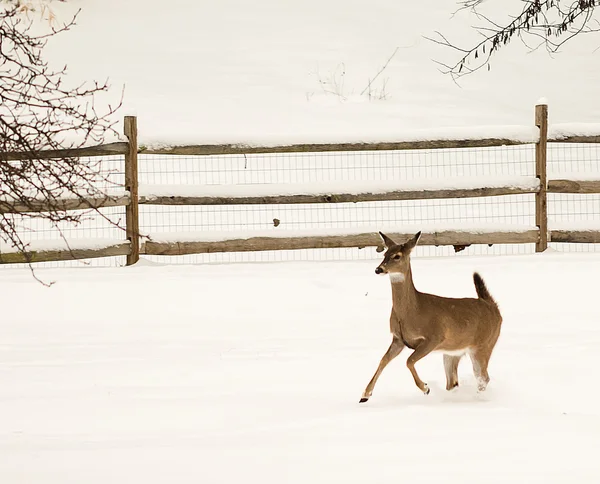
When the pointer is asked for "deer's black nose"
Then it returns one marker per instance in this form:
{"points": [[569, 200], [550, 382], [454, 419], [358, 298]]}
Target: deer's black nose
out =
{"points": [[379, 270]]}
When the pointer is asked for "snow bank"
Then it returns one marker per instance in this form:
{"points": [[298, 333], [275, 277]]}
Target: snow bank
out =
{"points": [[298, 75], [251, 373]]}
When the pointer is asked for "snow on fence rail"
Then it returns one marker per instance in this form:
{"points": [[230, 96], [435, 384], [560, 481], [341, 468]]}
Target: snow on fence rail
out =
{"points": [[119, 148], [64, 204], [57, 250], [330, 193], [336, 192]]}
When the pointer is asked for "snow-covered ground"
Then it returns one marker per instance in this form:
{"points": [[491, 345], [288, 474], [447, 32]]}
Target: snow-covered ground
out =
{"points": [[274, 71], [253, 372]]}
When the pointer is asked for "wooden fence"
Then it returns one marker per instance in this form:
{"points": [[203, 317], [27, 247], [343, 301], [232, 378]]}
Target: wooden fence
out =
{"points": [[129, 247], [132, 247]]}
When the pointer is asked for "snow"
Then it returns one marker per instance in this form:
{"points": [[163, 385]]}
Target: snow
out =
{"points": [[522, 134], [273, 73], [578, 225], [573, 175], [561, 131], [338, 187], [252, 373], [93, 243], [216, 236], [64, 194]]}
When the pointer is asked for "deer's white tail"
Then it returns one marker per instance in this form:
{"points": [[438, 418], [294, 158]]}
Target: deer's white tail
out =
{"points": [[482, 290]]}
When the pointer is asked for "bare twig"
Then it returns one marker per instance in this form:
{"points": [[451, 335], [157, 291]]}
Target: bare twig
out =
{"points": [[551, 22], [38, 113], [380, 71]]}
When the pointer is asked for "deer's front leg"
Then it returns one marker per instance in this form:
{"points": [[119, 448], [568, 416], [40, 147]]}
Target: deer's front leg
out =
{"points": [[394, 350], [421, 351]]}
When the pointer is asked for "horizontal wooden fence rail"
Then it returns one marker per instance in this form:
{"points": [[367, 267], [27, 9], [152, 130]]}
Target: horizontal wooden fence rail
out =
{"points": [[576, 236], [334, 197], [119, 148], [216, 197], [241, 149], [51, 255], [574, 186], [64, 204], [369, 239]]}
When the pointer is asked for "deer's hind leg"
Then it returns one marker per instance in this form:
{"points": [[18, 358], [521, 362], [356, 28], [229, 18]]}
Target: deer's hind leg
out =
{"points": [[394, 350], [480, 358], [451, 366]]}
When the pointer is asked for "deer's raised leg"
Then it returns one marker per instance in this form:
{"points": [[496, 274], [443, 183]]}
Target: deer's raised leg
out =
{"points": [[421, 351], [394, 350], [451, 367]]}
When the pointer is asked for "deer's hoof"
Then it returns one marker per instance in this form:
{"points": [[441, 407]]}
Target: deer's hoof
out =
{"points": [[363, 399], [426, 390], [482, 384]]}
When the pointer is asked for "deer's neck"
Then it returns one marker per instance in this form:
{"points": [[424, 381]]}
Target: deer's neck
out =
{"points": [[404, 293]]}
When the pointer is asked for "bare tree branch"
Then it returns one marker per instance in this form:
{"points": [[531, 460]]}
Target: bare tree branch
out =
{"points": [[551, 22], [39, 112]]}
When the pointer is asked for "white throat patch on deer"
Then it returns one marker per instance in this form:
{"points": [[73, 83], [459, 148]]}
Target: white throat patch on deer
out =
{"points": [[397, 277]]}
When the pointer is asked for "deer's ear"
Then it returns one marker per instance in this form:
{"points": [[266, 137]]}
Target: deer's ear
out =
{"points": [[410, 245], [386, 240]]}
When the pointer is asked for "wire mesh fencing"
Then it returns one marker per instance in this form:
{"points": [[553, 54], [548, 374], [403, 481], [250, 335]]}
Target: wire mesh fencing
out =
{"points": [[94, 226], [326, 167], [171, 172], [574, 161]]}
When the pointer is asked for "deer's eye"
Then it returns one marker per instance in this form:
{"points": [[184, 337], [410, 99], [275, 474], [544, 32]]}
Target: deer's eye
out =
{"points": [[397, 256]]}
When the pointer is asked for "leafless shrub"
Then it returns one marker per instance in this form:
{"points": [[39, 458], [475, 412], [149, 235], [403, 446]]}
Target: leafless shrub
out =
{"points": [[39, 112]]}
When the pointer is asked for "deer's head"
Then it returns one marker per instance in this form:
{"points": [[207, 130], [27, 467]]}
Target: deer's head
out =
{"points": [[396, 260]]}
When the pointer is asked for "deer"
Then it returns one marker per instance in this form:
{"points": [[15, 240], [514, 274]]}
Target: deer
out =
{"points": [[426, 322]]}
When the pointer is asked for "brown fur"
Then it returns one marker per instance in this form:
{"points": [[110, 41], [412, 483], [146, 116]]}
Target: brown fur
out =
{"points": [[426, 322]]}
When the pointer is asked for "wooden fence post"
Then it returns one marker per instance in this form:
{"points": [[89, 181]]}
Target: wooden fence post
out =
{"points": [[131, 184], [541, 198]]}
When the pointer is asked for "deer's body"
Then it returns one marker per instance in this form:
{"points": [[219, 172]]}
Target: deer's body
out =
{"points": [[426, 322], [459, 323]]}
